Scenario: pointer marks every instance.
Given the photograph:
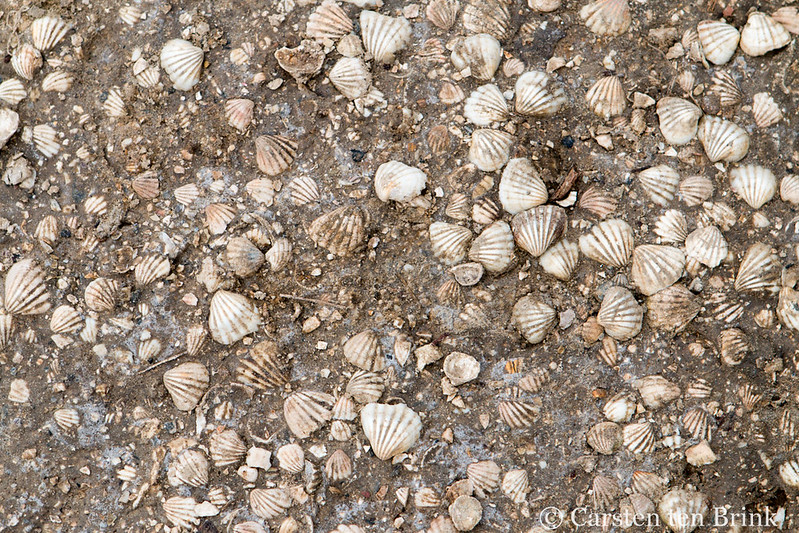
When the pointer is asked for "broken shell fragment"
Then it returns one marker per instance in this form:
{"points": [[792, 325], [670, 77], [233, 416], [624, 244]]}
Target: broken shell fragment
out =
{"points": [[12, 91], [307, 411], [656, 391], [391, 429], [443, 13], [683, 510], [186, 383], [263, 369], [243, 257], [151, 268]]}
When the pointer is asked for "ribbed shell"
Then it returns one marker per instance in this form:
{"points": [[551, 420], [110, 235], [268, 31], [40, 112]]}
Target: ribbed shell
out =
{"points": [[304, 190], [449, 242], [263, 369], [45, 139], [605, 491], [57, 81], [291, 458], [533, 318], [679, 120], [607, 17], [789, 189], [560, 259], [238, 113], [620, 314], [656, 267], [25, 292], [683, 511], [189, 468], [443, 13], [12, 91], [518, 415], [226, 447], [486, 105], [18, 391], [307, 411], [660, 183], [218, 216], [609, 242], [243, 257], [760, 269], [186, 384], [535, 96], [656, 391], [146, 186], [328, 21], [279, 255], [719, 40], [275, 153], [151, 268], [399, 182], [26, 60], [521, 187], [605, 437], [537, 228], [695, 189], [597, 201], [269, 503], [788, 308], [339, 468], [180, 512], [494, 247], [182, 61], [788, 16], [391, 429], [232, 317], [647, 483], [485, 211], [488, 16], [722, 140], [755, 184], [671, 226], [516, 485], [765, 110], [114, 105], [620, 407], [484, 476], [789, 472], [606, 97], [726, 88], [47, 31], [341, 231], [696, 421], [351, 76], [365, 387], [384, 36], [67, 418], [671, 309], [639, 437], [365, 351], [481, 53], [195, 339], [65, 319], [130, 15], [489, 149], [262, 190], [762, 34], [706, 245]]}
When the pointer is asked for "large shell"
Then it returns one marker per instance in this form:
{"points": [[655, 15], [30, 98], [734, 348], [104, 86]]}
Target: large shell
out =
{"points": [[399, 182], [682, 510], [384, 36], [754, 183], [488, 16], [479, 53], [26, 60], [269, 503], [351, 76], [533, 318], [489, 149], [274, 153], [521, 187], [671, 309], [341, 231], [486, 105], [760, 269], [679, 120], [365, 351], [494, 247], [620, 314], [307, 411], [328, 21], [182, 61], [25, 292], [607, 17], [706, 245], [12, 91], [189, 468], [606, 97], [263, 369], [656, 267], [560, 259], [656, 391], [443, 13], [47, 31], [762, 34], [605, 437], [186, 384], [232, 317], [719, 40], [243, 256], [449, 242], [537, 228], [535, 96], [609, 242], [722, 140], [660, 183], [391, 429]]}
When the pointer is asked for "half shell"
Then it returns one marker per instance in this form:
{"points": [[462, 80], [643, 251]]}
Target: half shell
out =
{"points": [[533, 318], [521, 187], [537, 228], [341, 231], [656, 267], [606, 97], [486, 105], [560, 259], [489, 149], [25, 292], [182, 61], [232, 317], [679, 120], [275, 153], [706, 245], [719, 40], [365, 351], [535, 96], [186, 384], [620, 314], [722, 140], [384, 36], [391, 429], [494, 247], [660, 183], [399, 182], [449, 242], [307, 411], [762, 34], [609, 242], [754, 183], [479, 53]]}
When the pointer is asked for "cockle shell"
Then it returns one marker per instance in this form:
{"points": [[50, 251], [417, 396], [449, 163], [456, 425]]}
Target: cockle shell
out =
{"points": [[683, 510], [521, 187], [47, 230], [537, 228], [620, 314], [489, 149], [695, 189], [536, 96], [291, 458], [696, 421], [486, 105], [443, 13], [57, 81], [607, 17], [391, 429], [679, 120], [656, 391], [65, 319], [789, 472], [146, 186], [232, 317], [304, 190], [243, 256], [494, 247], [25, 292], [306, 411], [560, 259], [262, 190], [449, 242], [238, 112], [533, 318], [26, 60], [384, 36], [606, 97], [274, 153], [722, 140], [605, 438], [187, 194], [151, 268], [338, 467], [660, 183], [620, 407], [100, 295], [328, 21], [518, 415], [279, 255], [67, 418], [719, 40], [488, 16], [516, 485], [762, 34], [269, 503], [765, 110], [597, 201], [44, 137], [760, 269], [226, 447], [399, 182], [12, 91], [365, 387], [755, 184], [218, 216], [189, 468], [341, 231], [195, 339], [180, 512], [671, 226], [726, 89], [365, 351], [182, 61], [114, 105], [351, 76], [484, 476], [656, 267], [186, 383], [264, 368], [609, 242], [130, 15], [706, 245], [671, 309], [733, 346], [479, 53]]}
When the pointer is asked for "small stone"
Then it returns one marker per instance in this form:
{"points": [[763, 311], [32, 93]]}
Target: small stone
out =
{"points": [[206, 509], [429, 353], [465, 513], [311, 324], [250, 475], [259, 458]]}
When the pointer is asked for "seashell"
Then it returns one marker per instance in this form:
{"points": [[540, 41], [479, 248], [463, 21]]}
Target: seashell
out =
{"points": [[307, 411], [151, 268], [65, 319], [534, 98], [269, 503], [492, 17], [66, 418], [262, 190], [96, 206], [609, 242], [679, 120], [788, 308], [384, 36], [671, 226], [450, 94], [465, 512], [656, 391], [733, 346], [450, 293], [57, 81], [114, 105], [243, 257], [494, 247], [338, 467], [760, 269], [639, 438], [660, 183], [725, 87], [365, 387], [458, 206], [25, 292], [180, 512], [148, 349], [145, 186], [486, 105], [479, 53], [606, 97], [342, 231], [291, 458], [699, 389], [521, 188], [468, 274], [695, 189], [761, 34], [789, 472], [18, 391], [182, 61], [226, 447], [130, 15], [722, 140], [765, 110], [789, 189], [719, 40], [218, 216], [186, 384], [391, 429], [399, 182], [516, 485], [443, 13], [45, 139], [461, 368], [537, 228], [189, 468], [238, 112], [344, 409], [489, 149], [26, 60], [274, 153], [485, 211], [232, 317], [605, 491], [696, 421], [351, 76], [755, 184], [597, 201], [649, 484], [671, 309], [340, 431], [686, 80], [620, 314], [607, 17], [304, 190], [146, 75], [328, 21], [195, 339], [683, 511], [533, 318], [656, 267], [187, 194], [620, 408], [263, 369], [518, 415], [279, 254], [749, 396], [47, 31], [449, 242], [438, 140], [12, 91], [604, 438], [560, 260], [484, 476], [707, 246]]}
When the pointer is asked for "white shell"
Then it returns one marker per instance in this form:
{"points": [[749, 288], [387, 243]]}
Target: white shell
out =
{"points": [[328, 21], [788, 16], [789, 189], [25, 292], [18, 391], [180, 512], [765, 110], [274, 153], [620, 407], [391, 429], [682, 510], [461, 368], [365, 387], [656, 391], [486, 105], [304, 190], [47, 31], [307, 411], [443, 13], [533, 318], [365, 351], [516, 485], [186, 384], [151, 268], [762, 34], [218, 216], [560, 259], [384, 36], [672, 226], [182, 61], [26, 60], [521, 187], [351, 76], [679, 120], [484, 476], [656, 267], [195, 339], [597, 201], [65, 319], [789, 472], [719, 40], [518, 415], [269, 503], [232, 317], [479, 53], [291, 458], [187, 194], [12, 91], [114, 106], [342, 231], [606, 97], [537, 228], [620, 314], [695, 189], [130, 15], [706, 245], [760, 269], [243, 257], [607, 17], [238, 112], [45, 138], [535, 96], [660, 183], [399, 182], [66, 418], [57, 81], [189, 468], [723, 140], [489, 149], [754, 183], [494, 247], [449, 242], [609, 242]]}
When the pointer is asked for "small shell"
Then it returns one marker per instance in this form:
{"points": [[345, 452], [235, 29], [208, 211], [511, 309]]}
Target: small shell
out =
{"points": [[338, 467], [66, 418], [47, 31], [672, 226], [399, 182], [485, 211], [484, 476], [45, 139], [12, 91], [274, 153], [450, 94], [765, 110], [449, 242], [660, 183], [443, 13], [696, 421], [486, 105], [607, 17], [789, 472], [18, 391], [57, 81], [264, 369], [489, 149], [365, 351], [262, 190], [269, 503], [391, 429], [605, 438], [639, 438], [789, 189], [328, 21], [307, 411], [656, 391], [130, 15], [695, 189], [226, 447], [243, 257], [187, 194], [186, 384], [461, 368], [516, 485], [762, 34], [279, 255], [656, 267], [760, 269], [65, 319], [609, 242], [384, 36], [597, 202], [365, 387], [679, 120], [706, 245], [719, 40], [182, 61], [537, 228], [755, 184], [620, 314], [605, 491], [560, 259], [533, 318], [189, 468], [518, 415], [733, 346], [521, 187], [195, 339], [152, 268], [488, 16], [351, 76], [25, 292], [291, 458], [722, 140], [218, 216], [620, 407], [238, 112], [649, 484], [145, 186], [458, 206], [114, 105], [26, 60], [671, 309], [479, 53], [232, 317], [683, 511], [304, 190], [180, 512], [342, 231], [535, 96], [788, 17], [494, 247], [606, 97]]}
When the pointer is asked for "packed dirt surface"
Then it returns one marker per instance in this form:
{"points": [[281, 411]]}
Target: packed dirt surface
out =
{"points": [[92, 440]]}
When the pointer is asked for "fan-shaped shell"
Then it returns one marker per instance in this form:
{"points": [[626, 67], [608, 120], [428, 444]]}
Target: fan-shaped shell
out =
{"points": [[605, 438], [26, 60], [789, 472], [760, 269], [195, 339], [695, 189], [533, 318], [597, 201], [620, 314], [243, 257], [45, 138], [609, 242], [607, 17], [57, 81], [606, 97], [47, 230], [762, 34], [328, 21], [605, 491], [291, 458], [789, 189], [263, 369], [145, 186], [25, 292], [765, 110], [187, 383], [12, 91], [238, 112], [719, 40], [449, 242], [365, 351], [307, 411], [560, 259], [182, 61], [488, 16], [151, 268], [722, 140], [696, 421], [399, 182], [535, 96], [754, 183], [338, 467], [341, 231], [518, 415], [279, 255], [671, 226], [494, 247], [180, 512], [232, 317], [304, 190], [269, 503], [365, 387], [682, 510], [486, 105], [384, 36], [484, 476], [479, 53], [521, 187], [537, 228], [189, 468], [47, 31], [660, 183], [443, 13], [679, 120], [67, 418], [351, 76], [226, 447], [706, 245], [218, 216], [620, 407], [391, 429], [656, 267], [274, 153], [516, 485], [65, 319], [489, 149], [656, 391], [671, 309]]}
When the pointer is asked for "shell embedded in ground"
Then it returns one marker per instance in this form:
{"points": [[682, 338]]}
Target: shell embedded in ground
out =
{"points": [[391, 429], [606, 97], [537, 228], [761, 34], [609, 242], [186, 383], [307, 411], [607, 17], [232, 317], [521, 188], [364, 351], [620, 314], [399, 182], [489, 149], [719, 40], [274, 153], [537, 96], [533, 318], [485, 106], [342, 231], [479, 53], [656, 267], [450, 242], [25, 290], [384, 36], [679, 120], [182, 61]]}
